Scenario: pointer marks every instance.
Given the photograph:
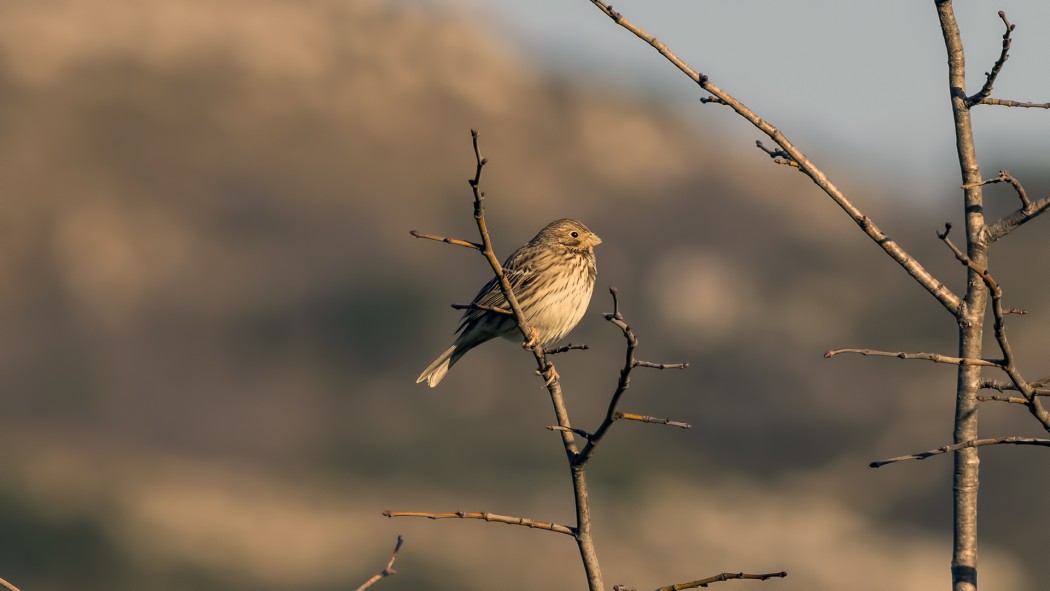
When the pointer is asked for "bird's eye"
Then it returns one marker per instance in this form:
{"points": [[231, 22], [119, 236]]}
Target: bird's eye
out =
{"points": [[574, 234]]}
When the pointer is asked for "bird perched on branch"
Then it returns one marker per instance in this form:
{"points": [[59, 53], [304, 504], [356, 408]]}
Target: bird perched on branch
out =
{"points": [[552, 278]]}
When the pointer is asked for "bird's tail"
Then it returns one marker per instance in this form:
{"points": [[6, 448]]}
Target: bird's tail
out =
{"points": [[437, 370]]}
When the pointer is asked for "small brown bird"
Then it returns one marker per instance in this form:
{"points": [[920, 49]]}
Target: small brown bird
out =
{"points": [[552, 276]]}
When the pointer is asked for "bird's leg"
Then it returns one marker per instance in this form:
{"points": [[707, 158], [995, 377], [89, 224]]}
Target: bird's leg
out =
{"points": [[552, 375]]}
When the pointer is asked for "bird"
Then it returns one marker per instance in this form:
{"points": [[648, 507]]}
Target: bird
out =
{"points": [[552, 277]]}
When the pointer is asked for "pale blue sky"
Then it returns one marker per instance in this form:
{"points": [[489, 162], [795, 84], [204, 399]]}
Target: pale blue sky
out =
{"points": [[847, 81]]}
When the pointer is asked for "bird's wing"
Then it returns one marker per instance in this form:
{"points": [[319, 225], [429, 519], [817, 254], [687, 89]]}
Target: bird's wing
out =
{"points": [[491, 295]]}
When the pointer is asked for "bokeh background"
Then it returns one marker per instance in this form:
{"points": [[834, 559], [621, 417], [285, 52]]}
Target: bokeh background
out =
{"points": [[213, 313]]}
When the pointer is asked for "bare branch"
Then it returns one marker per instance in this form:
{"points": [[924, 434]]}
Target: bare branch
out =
{"points": [[983, 96], [579, 432], [779, 156], [722, 577], [1037, 386], [484, 516], [661, 365], [1034, 405], [565, 348], [473, 306], [1006, 103], [612, 415], [934, 357], [1026, 212], [966, 261], [1005, 177], [966, 444], [998, 398], [941, 292], [645, 419], [9, 586], [1015, 220], [445, 239], [546, 369], [965, 481], [386, 572], [990, 77]]}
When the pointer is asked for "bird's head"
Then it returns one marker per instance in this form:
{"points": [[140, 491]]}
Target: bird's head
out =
{"points": [[570, 234]]}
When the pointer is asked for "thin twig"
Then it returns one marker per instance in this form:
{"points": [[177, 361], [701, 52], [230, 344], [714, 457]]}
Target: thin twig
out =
{"points": [[941, 292], [546, 368], [445, 239], [934, 357], [1005, 177], [1037, 386], [723, 577], [990, 77], [998, 398], [652, 365], [485, 516], [965, 444], [622, 384], [579, 432], [612, 414], [655, 420], [386, 572], [566, 348], [8, 585], [473, 306], [1006, 103], [779, 156]]}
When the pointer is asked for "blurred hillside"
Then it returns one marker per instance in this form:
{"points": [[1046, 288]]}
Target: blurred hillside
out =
{"points": [[213, 316]]}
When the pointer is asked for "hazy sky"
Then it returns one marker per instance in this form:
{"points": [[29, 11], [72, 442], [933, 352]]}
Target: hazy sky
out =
{"points": [[848, 82]]}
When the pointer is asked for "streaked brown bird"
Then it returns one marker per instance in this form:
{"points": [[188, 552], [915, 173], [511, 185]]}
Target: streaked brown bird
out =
{"points": [[552, 276]]}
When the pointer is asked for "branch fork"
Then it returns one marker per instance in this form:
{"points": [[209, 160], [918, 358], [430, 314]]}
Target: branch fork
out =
{"points": [[969, 310], [577, 459], [386, 572], [1008, 364]]}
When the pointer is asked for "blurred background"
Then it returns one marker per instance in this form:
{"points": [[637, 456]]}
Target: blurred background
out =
{"points": [[213, 314]]}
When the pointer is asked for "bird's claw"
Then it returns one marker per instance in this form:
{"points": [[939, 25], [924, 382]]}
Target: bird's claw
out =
{"points": [[534, 338], [552, 376]]}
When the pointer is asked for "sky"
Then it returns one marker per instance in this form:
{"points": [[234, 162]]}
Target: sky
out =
{"points": [[853, 84]]}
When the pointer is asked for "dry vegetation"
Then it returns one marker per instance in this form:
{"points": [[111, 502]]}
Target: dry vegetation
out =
{"points": [[213, 317]]}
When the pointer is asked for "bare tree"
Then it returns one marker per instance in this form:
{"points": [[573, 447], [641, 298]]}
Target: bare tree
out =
{"points": [[577, 458], [968, 309]]}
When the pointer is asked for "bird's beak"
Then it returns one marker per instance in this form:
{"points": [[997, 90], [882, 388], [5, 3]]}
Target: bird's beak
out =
{"points": [[595, 241]]}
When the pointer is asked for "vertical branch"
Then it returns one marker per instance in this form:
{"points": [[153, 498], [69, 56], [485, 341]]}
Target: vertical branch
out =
{"points": [[971, 316], [584, 540]]}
